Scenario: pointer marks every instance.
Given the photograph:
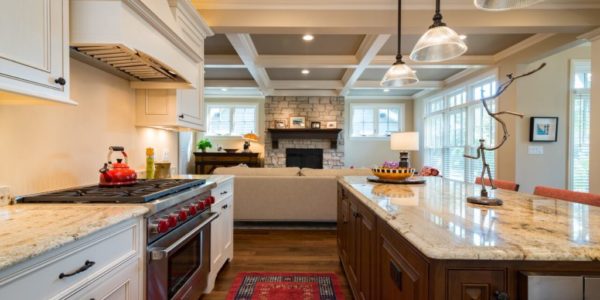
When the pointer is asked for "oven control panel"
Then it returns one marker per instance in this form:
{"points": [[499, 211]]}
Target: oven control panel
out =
{"points": [[175, 216]]}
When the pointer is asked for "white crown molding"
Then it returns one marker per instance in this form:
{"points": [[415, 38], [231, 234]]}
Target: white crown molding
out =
{"points": [[323, 93], [518, 47], [427, 85], [591, 36], [380, 98]]}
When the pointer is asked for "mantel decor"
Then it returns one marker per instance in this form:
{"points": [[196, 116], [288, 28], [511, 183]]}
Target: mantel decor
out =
{"points": [[304, 133], [483, 198]]}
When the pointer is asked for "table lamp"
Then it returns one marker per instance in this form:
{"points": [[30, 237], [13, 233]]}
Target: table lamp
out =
{"points": [[404, 142], [249, 137]]}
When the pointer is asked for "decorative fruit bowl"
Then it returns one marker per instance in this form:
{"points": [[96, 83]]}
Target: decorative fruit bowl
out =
{"points": [[391, 170]]}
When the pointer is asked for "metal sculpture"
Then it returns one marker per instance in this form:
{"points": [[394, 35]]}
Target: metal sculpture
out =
{"points": [[484, 198]]}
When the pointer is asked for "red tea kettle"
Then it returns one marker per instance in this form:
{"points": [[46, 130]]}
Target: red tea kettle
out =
{"points": [[119, 173]]}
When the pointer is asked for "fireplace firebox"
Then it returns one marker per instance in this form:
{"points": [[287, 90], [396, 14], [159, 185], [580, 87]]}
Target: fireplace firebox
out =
{"points": [[304, 158]]}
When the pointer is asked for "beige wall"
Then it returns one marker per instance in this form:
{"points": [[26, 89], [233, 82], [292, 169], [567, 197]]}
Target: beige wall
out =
{"points": [[545, 94], [595, 118], [366, 153], [46, 147]]}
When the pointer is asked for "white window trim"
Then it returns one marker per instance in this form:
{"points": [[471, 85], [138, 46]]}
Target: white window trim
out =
{"points": [[575, 63], [401, 119], [468, 88], [231, 105]]}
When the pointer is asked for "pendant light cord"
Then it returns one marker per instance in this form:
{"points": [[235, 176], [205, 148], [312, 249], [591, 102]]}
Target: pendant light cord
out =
{"points": [[399, 53], [437, 17]]}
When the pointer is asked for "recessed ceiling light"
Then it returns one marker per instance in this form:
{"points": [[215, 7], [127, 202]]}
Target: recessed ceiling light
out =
{"points": [[308, 37], [386, 90], [305, 71], [224, 89], [462, 37]]}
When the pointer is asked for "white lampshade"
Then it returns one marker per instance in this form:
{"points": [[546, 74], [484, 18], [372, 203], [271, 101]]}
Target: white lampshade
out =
{"points": [[404, 141], [504, 4], [439, 43], [399, 75]]}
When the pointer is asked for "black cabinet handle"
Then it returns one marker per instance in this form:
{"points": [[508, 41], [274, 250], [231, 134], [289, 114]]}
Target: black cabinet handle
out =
{"points": [[60, 81], [225, 206], [88, 264], [355, 214], [501, 295], [223, 192], [396, 275], [182, 116]]}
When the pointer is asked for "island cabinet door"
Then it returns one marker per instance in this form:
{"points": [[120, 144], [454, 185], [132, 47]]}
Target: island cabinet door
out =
{"points": [[353, 246], [476, 284], [343, 218], [366, 253], [402, 273]]}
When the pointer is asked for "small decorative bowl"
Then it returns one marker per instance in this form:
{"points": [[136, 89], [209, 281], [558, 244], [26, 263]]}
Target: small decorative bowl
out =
{"points": [[393, 174]]}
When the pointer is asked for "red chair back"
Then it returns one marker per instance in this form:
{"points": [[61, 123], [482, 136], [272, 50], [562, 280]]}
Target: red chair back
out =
{"points": [[579, 197], [501, 184], [429, 171]]}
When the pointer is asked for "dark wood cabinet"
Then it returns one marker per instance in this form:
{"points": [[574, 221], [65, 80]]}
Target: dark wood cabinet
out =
{"points": [[476, 284], [207, 162]]}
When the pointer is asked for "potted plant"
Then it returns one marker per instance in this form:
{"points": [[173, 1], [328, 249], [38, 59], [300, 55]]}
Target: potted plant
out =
{"points": [[203, 144]]}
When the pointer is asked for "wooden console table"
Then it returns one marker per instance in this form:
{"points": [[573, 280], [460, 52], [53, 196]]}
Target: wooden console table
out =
{"points": [[207, 162]]}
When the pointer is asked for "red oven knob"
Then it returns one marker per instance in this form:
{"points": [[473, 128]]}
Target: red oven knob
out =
{"points": [[172, 218], [201, 205], [182, 215], [161, 227], [211, 200], [191, 210]]}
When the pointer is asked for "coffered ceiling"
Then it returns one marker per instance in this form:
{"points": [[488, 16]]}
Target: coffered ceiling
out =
{"points": [[259, 50]]}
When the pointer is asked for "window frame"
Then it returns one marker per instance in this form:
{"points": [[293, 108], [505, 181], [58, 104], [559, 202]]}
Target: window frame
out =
{"points": [[232, 106], [467, 107], [575, 66], [376, 107]]}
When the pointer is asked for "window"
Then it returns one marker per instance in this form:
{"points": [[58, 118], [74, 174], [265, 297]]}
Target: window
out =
{"points": [[231, 119], [579, 154], [376, 120], [454, 123]]}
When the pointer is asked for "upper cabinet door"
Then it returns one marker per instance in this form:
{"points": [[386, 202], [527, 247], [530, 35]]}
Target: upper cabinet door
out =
{"points": [[34, 53], [190, 103]]}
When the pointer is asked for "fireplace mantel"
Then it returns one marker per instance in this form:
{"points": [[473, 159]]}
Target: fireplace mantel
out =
{"points": [[304, 133]]}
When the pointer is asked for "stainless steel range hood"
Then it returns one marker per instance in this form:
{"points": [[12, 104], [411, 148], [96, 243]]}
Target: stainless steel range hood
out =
{"points": [[136, 39]]}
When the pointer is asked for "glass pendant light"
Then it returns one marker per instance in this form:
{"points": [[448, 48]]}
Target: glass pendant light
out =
{"points": [[439, 43], [504, 4], [399, 74]]}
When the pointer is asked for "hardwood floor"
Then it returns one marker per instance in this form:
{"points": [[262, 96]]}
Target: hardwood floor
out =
{"points": [[281, 251]]}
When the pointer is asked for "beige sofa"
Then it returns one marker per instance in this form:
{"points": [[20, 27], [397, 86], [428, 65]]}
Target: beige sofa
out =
{"points": [[286, 194]]}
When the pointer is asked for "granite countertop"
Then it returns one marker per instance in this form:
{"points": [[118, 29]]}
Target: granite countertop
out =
{"points": [[438, 221], [28, 230]]}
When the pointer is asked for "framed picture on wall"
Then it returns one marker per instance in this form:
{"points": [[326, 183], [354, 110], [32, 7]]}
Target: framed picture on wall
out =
{"points": [[297, 122], [543, 129], [315, 125], [280, 124], [331, 125]]}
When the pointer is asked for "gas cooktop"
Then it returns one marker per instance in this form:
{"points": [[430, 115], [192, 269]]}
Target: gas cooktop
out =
{"points": [[143, 191]]}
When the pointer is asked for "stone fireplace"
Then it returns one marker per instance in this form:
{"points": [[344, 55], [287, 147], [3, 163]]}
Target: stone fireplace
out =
{"points": [[304, 158], [314, 109]]}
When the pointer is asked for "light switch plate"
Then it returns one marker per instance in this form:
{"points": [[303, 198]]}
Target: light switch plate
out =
{"points": [[536, 150], [5, 196]]}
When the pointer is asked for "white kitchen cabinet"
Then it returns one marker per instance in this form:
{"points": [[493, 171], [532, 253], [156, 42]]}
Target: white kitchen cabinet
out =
{"points": [[113, 258], [221, 231], [34, 52]]}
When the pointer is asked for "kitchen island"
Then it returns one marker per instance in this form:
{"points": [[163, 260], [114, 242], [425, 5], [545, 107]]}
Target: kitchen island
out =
{"points": [[427, 242]]}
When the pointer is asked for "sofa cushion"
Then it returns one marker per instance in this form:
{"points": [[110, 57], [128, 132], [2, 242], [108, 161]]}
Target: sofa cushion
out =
{"points": [[244, 171], [335, 172]]}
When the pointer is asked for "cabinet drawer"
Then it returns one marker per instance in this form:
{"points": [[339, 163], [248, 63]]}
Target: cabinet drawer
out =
{"points": [[122, 283], [105, 249], [223, 191], [475, 284]]}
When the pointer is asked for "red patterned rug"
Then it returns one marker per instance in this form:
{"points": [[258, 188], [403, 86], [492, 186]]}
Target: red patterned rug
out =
{"points": [[285, 286]]}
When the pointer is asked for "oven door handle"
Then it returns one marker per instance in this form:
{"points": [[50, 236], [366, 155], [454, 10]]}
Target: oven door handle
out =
{"points": [[160, 253]]}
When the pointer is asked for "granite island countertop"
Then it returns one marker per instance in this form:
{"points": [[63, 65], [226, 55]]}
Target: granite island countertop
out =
{"points": [[29, 230], [436, 218]]}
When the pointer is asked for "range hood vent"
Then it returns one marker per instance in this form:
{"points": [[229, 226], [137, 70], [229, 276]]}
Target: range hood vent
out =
{"points": [[134, 63]]}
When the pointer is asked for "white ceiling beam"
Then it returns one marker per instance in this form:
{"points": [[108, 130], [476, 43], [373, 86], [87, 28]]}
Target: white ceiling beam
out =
{"points": [[306, 84], [243, 45], [230, 83], [367, 51], [226, 61], [461, 62], [425, 85], [305, 93], [344, 21], [307, 61]]}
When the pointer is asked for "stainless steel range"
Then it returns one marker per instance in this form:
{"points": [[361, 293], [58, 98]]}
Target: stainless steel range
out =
{"points": [[178, 229]]}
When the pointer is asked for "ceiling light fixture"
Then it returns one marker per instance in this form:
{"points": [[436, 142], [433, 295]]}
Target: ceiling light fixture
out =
{"points": [[305, 71], [399, 74], [439, 43], [308, 37], [498, 5]]}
